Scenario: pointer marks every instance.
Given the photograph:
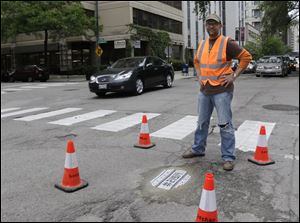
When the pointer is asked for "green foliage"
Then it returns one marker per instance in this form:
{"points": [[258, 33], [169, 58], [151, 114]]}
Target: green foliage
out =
{"points": [[177, 64], [274, 45], [278, 16], [64, 18], [158, 41], [201, 8], [254, 49], [269, 46]]}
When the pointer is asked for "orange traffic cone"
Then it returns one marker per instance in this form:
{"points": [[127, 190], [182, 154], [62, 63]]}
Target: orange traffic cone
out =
{"points": [[144, 138], [71, 180], [207, 211], [261, 156]]}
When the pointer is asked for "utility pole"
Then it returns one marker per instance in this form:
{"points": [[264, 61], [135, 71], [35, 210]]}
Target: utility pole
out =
{"points": [[98, 60], [239, 7]]}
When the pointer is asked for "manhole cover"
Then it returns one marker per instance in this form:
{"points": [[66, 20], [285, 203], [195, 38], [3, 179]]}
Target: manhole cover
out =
{"points": [[280, 107]]}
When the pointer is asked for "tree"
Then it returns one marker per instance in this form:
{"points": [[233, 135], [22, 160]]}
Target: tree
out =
{"points": [[271, 46], [158, 41], [278, 16], [201, 9], [58, 19]]}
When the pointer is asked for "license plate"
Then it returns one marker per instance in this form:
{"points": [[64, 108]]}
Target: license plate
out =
{"points": [[102, 86]]}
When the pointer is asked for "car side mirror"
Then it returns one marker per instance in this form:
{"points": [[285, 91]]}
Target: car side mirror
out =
{"points": [[149, 65]]}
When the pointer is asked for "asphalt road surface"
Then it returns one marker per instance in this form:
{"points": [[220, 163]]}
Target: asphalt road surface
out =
{"points": [[37, 120]]}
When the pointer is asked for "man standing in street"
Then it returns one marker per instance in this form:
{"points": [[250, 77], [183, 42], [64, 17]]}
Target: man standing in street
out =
{"points": [[213, 65]]}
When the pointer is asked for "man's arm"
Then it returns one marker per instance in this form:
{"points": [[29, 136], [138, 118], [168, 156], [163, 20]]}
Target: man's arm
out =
{"points": [[245, 58]]}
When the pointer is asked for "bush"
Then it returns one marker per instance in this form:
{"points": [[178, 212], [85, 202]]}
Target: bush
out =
{"points": [[177, 64]]}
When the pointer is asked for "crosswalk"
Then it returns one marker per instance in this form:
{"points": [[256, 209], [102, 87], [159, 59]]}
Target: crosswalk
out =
{"points": [[246, 135], [176, 130], [20, 88]]}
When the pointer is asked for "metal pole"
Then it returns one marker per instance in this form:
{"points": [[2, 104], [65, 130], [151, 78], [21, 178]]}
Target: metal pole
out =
{"points": [[98, 60], [239, 6]]}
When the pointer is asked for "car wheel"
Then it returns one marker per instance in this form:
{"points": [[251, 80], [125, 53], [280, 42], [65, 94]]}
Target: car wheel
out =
{"points": [[139, 86], [101, 94], [257, 75], [30, 79], [168, 81]]}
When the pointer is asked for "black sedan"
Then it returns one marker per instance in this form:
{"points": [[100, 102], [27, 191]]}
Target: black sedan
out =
{"points": [[133, 74], [29, 73]]}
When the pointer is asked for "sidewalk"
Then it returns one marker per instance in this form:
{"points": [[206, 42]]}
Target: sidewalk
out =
{"points": [[81, 78]]}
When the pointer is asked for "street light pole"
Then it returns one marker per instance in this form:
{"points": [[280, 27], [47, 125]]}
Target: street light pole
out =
{"points": [[98, 60]]}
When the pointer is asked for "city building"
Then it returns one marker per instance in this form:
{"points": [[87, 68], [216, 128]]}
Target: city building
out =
{"points": [[115, 38], [232, 14]]}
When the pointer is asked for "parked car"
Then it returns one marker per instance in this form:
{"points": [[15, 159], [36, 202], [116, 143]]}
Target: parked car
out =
{"points": [[251, 68], [234, 64], [29, 73], [293, 63], [297, 63], [272, 65], [133, 74]]}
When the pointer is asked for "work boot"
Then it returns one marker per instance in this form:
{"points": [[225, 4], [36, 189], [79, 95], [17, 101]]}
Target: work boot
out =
{"points": [[228, 165], [190, 154]]}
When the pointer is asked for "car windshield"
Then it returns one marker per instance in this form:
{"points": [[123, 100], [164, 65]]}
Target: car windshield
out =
{"points": [[129, 62], [270, 60]]}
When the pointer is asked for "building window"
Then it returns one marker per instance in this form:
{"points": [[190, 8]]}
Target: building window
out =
{"points": [[256, 13], [143, 18], [89, 13], [175, 4], [257, 25]]}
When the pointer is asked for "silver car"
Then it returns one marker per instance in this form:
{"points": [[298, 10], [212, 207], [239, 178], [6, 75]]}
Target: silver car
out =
{"points": [[271, 65]]}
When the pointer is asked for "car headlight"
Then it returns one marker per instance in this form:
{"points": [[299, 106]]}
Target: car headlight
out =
{"points": [[277, 67], [260, 67], [123, 76], [92, 79]]}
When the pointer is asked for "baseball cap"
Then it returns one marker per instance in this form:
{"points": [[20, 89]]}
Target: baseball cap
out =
{"points": [[214, 17]]}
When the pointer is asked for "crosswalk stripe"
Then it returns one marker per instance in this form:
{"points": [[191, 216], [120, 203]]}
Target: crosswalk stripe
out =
{"points": [[15, 89], [47, 114], [22, 112], [125, 122], [82, 117], [247, 134], [8, 109], [32, 87], [178, 129]]}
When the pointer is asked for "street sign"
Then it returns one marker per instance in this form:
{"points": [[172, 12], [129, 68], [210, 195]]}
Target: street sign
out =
{"points": [[99, 51], [119, 44], [101, 40], [137, 44]]}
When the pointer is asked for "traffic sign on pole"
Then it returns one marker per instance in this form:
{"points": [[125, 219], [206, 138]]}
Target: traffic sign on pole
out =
{"points": [[99, 51]]}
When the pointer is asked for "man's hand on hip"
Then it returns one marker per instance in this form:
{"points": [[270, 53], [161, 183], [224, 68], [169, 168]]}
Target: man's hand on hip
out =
{"points": [[226, 80]]}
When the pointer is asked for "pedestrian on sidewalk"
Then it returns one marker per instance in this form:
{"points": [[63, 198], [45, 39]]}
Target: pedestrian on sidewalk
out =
{"points": [[215, 76]]}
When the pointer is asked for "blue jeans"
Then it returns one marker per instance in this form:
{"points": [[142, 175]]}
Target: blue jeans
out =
{"points": [[206, 104]]}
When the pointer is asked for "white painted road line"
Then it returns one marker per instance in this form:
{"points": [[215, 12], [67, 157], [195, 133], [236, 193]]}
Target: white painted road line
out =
{"points": [[82, 117], [14, 89], [22, 112], [179, 129], [47, 114], [247, 134], [9, 109], [32, 87], [125, 122]]}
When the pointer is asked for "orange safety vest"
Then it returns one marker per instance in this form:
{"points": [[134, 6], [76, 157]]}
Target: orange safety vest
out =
{"points": [[213, 64]]}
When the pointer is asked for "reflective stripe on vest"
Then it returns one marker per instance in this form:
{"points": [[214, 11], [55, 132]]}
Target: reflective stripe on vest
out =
{"points": [[213, 63], [219, 59]]}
